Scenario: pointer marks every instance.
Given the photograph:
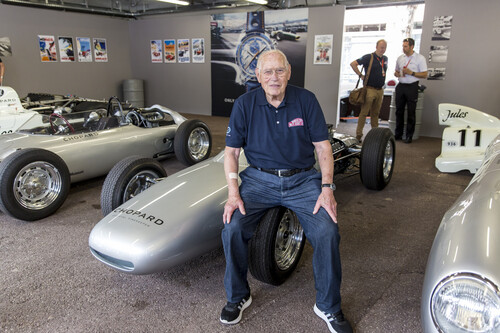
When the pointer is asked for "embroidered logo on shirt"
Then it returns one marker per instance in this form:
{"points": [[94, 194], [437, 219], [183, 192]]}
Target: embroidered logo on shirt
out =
{"points": [[228, 131], [296, 122]]}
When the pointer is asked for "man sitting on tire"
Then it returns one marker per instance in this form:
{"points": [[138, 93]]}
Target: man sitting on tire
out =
{"points": [[279, 127]]}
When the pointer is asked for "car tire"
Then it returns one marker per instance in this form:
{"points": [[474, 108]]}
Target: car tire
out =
{"points": [[192, 142], [128, 178], [276, 247], [34, 183], [378, 155]]}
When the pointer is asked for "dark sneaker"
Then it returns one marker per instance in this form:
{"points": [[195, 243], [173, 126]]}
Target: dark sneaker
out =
{"points": [[335, 321], [232, 312]]}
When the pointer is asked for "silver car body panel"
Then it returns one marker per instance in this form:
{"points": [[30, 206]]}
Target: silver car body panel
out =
{"points": [[467, 238], [173, 221]]}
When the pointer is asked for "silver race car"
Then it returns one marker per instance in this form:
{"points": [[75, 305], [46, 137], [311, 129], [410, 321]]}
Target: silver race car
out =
{"points": [[42, 158], [462, 279], [148, 229]]}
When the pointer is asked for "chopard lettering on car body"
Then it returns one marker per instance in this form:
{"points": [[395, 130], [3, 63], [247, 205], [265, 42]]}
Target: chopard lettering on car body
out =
{"points": [[459, 114], [80, 136], [138, 214]]}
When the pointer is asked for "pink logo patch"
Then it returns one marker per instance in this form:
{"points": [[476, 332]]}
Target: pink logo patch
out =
{"points": [[296, 122]]}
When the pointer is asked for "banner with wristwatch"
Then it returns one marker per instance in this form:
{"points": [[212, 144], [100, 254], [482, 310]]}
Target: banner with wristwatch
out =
{"points": [[237, 40]]}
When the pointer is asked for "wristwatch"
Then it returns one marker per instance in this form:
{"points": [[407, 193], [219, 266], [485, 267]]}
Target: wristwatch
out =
{"points": [[332, 186], [250, 47]]}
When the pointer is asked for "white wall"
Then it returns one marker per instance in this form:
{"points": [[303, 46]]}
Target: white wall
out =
{"points": [[472, 75], [26, 73]]}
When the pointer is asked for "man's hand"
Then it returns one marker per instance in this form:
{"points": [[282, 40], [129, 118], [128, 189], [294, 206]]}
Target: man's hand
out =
{"points": [[233, 202], [327, 201]]}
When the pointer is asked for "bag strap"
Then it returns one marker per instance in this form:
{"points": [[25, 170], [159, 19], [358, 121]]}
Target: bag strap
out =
{"points": [[359, 77], [367, 73]]}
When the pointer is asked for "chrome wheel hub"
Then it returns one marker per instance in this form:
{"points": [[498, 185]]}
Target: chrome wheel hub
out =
{"points": [[288, 240], [198, 143]]}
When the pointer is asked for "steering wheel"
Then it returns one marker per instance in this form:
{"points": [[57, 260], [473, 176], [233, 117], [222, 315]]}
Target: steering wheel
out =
{"points": [[63, 127], [120, 108]]}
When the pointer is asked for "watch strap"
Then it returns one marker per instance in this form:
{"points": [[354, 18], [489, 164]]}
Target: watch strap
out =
{"points": [[255, 22], [332, 186]]}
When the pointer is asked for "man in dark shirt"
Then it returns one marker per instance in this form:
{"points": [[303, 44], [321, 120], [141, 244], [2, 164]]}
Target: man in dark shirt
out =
{"points": [[375, 85], [279, 127]]}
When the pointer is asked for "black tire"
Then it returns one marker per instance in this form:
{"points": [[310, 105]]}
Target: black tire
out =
{"points": [[276, 247], [378, 155], [192, 142], [34, 183], [128, 178]]}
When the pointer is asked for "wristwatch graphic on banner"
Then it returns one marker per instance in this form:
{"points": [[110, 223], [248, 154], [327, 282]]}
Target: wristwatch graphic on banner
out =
{"points": [[250, 47]]}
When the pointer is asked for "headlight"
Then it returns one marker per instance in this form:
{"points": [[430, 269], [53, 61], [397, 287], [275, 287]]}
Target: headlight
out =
{"points": [[466, 303]]}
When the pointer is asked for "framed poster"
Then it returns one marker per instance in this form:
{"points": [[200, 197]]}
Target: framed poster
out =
{"points": [[441, 27], [47, 47], [156, 51], [83, 47], [183, 50], [198, 46], [323, 45], [170, 50], [100, 50], [66, 50]]}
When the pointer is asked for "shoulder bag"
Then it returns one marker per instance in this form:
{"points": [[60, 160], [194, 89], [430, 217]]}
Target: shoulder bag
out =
{"points": [[358, 95]]}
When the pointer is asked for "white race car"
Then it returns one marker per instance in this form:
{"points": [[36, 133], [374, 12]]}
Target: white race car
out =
{"points": [[465, 140], [12, 113]]}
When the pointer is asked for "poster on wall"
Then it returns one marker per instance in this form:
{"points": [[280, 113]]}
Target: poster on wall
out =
{"points": [[47, 47], [183, 50], [436, 73], [438, 53], [66, 50], [156, 51], [323, 45], [236, 45], [100, 50], [169, 49], [84, 51], [441, 27], [5, 48], [198, 46]]}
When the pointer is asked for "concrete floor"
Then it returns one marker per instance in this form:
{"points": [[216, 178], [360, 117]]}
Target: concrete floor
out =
{"points": [[49, 281]]}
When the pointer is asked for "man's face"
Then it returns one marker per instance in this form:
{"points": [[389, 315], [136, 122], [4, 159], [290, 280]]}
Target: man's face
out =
{"points": [[273, 75], [407, 48], [381, 47]]}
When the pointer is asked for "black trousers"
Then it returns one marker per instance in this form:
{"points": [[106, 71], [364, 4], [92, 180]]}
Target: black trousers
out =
{"points": [[406, 95]]}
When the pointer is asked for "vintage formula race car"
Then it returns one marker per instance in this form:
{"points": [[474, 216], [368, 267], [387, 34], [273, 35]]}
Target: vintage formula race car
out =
{"points": [[150, 226], [465, 140], [14, 112], [462, 279], [42, 158]]}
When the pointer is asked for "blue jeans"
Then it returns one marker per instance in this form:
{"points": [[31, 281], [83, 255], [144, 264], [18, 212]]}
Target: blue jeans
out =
{"points": [[261, 191]]}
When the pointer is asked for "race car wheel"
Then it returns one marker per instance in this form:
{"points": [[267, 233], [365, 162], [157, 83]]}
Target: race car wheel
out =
{"points": [[33, 184], [61, 125], [128, 178], [192, 142], [378, 154], [276, 247]]}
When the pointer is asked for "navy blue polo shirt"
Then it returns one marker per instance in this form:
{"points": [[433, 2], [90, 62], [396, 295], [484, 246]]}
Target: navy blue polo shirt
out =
{"points": [[277, 138], [379, 66]]}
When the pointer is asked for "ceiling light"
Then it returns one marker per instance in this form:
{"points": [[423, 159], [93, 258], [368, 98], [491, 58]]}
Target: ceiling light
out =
{"points": [[177, 2], [260, 2]]}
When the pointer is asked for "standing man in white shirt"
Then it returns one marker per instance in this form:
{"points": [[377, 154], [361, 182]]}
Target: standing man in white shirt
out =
{"points": [[410, 67]]}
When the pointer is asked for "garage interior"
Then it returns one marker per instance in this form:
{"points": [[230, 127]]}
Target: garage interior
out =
{"points": [[50, 282]]}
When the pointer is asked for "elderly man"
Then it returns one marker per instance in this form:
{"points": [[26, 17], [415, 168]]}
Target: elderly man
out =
{"points": [[410, 67], [280, 126]]}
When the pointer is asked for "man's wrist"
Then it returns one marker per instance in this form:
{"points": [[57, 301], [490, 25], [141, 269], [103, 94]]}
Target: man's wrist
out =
{"points": [[329, 185]]}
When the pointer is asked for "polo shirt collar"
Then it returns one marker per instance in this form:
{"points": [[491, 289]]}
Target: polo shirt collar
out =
{"points": [[290, 96]]}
